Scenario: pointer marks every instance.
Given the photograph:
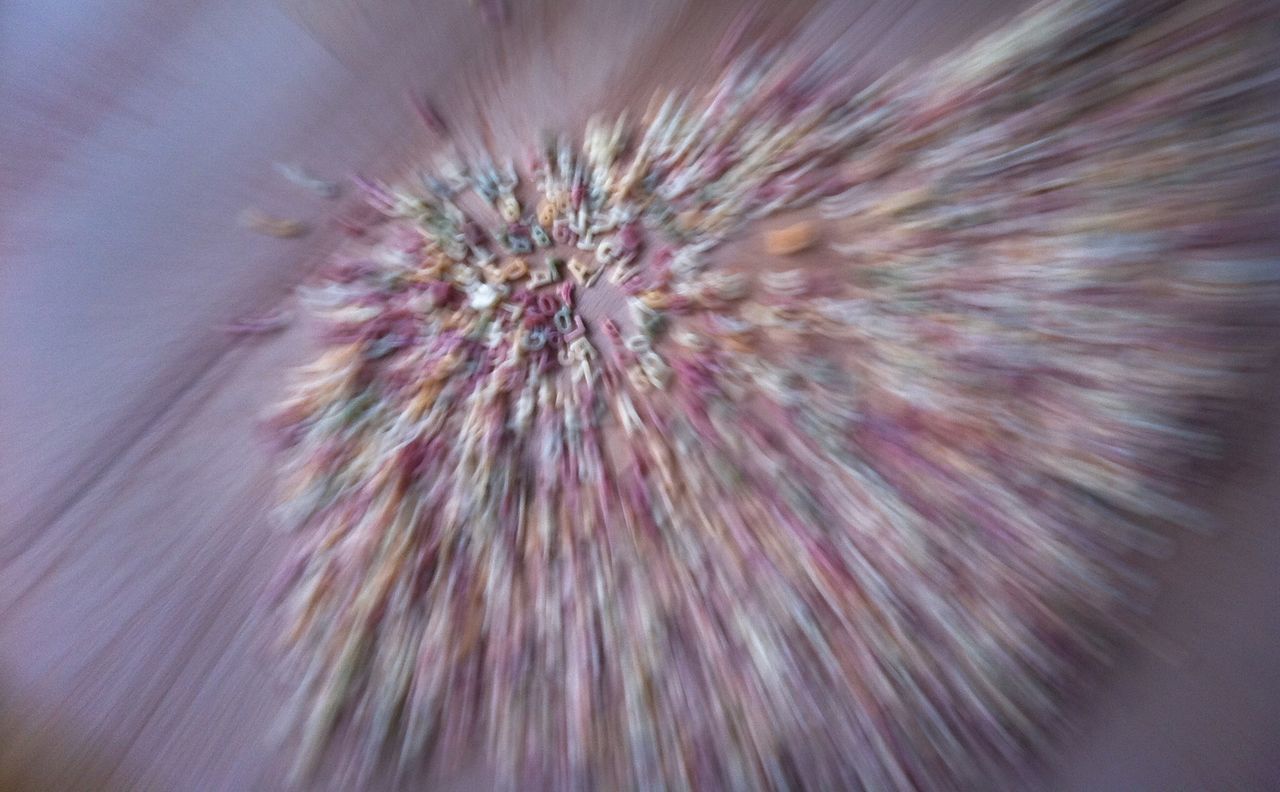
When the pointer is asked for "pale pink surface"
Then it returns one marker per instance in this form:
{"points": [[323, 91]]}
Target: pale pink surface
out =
{"points": [[135, 536]]}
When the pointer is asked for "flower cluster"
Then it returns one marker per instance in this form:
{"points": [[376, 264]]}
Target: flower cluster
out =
{"points": [[617, 504]]}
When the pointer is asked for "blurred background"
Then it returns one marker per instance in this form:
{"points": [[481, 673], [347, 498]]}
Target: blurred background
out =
{"points": [[135, 530]]}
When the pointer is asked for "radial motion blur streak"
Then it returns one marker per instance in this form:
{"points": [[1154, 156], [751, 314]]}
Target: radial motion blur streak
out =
{"points": [[638, 395]]}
